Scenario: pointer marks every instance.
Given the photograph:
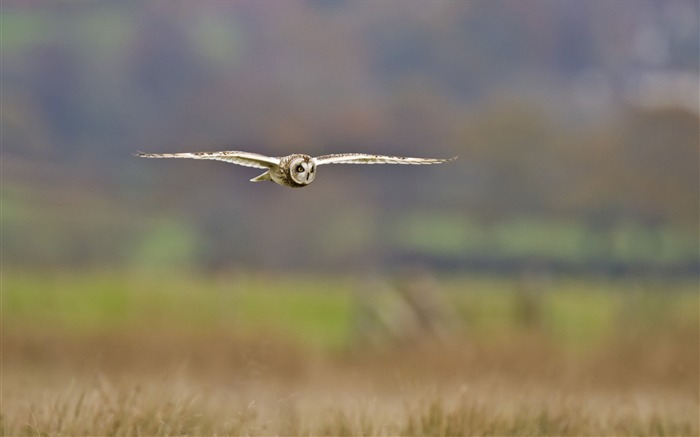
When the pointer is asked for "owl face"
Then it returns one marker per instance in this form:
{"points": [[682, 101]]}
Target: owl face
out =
{"points": [[302, 170]]}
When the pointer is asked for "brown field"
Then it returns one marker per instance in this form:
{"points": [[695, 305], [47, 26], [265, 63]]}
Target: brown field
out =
{"points": [[169, 377]]}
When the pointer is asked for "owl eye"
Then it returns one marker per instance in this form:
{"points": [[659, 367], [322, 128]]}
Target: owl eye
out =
{"points": [[300, 169]]}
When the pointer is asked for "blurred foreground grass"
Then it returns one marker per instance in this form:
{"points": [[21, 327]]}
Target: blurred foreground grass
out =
{"points": [[253, 353]]}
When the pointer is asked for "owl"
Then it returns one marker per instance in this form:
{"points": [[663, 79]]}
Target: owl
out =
{"points": [[297, 170]]}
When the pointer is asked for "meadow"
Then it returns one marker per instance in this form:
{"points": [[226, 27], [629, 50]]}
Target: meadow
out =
{"points": [[254, 353]]}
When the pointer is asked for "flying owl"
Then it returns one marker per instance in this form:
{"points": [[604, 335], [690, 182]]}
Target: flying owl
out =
{"points": [[297, 170]]}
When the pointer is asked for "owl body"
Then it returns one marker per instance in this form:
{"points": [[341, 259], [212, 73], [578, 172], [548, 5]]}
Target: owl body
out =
{"points": [[296, 170]]}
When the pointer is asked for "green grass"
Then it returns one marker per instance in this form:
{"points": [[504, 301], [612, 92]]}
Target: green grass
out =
{"points": [[99, 301], [319, 316], [579, 314], [319, 311]]}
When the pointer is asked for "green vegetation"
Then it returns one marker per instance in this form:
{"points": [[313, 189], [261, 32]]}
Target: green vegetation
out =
{"points": [[320, 311]]}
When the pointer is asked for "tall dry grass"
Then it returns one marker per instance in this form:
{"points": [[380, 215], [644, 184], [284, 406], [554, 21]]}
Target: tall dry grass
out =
{"points": [[182, 406], [213, 383], [634, 372]]}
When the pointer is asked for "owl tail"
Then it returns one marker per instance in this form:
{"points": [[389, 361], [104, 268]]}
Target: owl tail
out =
{"points": [[263, 177]]}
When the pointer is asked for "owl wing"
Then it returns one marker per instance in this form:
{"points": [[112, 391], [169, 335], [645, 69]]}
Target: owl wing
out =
{"points": [[362, 158], [245, 159]]}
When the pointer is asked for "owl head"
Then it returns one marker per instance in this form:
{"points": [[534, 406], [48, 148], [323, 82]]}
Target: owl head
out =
{"points": [[302, 169]]}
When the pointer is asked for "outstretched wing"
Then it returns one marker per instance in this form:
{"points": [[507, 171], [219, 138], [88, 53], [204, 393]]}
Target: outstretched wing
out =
{"points": [[362, 158], [246, 159]]}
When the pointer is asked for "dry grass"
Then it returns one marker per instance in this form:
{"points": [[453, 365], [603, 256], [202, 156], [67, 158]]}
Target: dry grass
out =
{"points": [[216, 384], [181, 405], [177, 378]]}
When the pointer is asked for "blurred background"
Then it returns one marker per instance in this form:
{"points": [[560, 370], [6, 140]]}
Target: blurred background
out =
{"points": [[569, 221], [576, 124]]}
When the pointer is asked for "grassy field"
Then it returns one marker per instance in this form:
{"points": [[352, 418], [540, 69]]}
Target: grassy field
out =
{"points": [[108, 353]]}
